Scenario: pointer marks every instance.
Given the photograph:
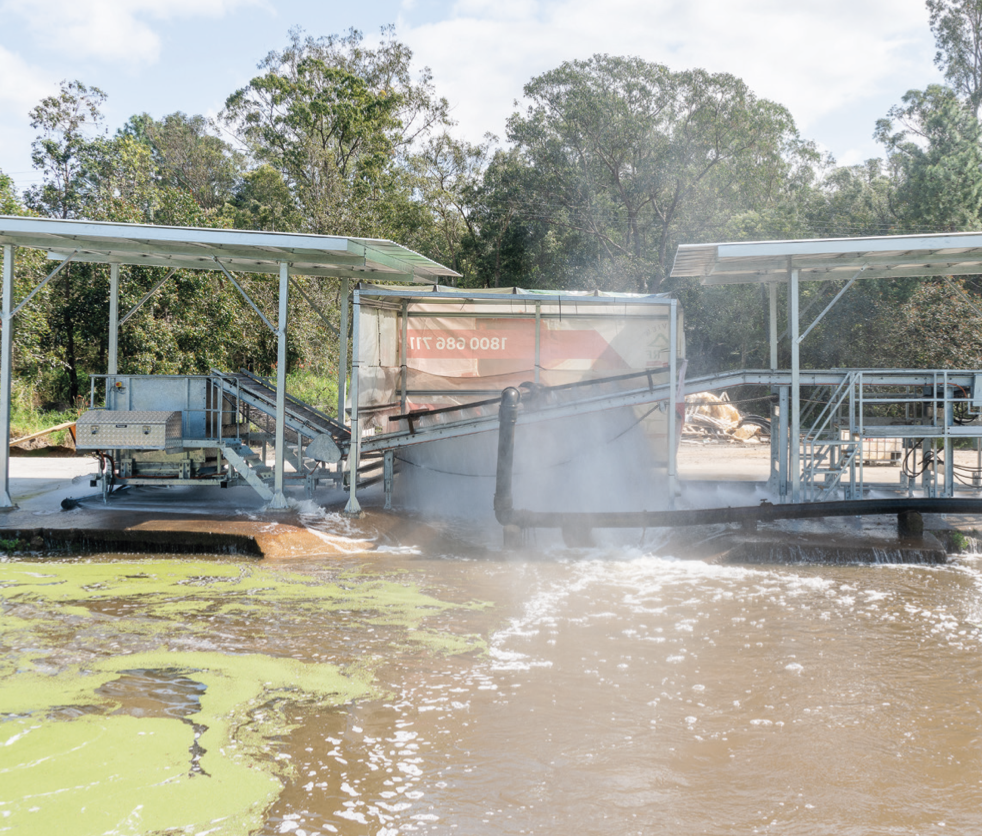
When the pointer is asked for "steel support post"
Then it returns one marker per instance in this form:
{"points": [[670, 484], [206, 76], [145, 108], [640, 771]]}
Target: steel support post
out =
{"points": [[949, 450], [774, 478], [343, 360], [113, 366], [772, 300], [795, 385], [538, 338], [279, 498], [388, 472], [354, 449], [783, 409], [773, 481], [403, 352], [6, 379], [672, 398]]}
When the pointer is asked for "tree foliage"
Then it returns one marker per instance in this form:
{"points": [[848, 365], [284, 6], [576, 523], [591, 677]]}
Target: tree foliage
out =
{"points": [[937, 328], [935, 150], [957, 28], [633, 155], [333, 116], [613, 162]]}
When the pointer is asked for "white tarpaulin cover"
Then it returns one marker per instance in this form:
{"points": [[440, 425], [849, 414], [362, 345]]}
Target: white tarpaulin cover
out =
{"points": [[460, 352]]}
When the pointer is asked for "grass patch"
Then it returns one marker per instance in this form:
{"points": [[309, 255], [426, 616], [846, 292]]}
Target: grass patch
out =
{"points": [[26, 420], [318, 390]]}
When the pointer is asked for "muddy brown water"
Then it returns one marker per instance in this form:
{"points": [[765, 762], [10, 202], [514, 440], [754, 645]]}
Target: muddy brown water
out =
{"points": [[615, 691]]}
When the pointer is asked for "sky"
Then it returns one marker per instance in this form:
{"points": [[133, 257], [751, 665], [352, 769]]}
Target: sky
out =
{"points": [[837, 65]]}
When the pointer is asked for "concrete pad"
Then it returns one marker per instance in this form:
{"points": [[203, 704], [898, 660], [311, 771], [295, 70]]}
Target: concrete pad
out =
{"points": [[178, 519], [212, 520], [724, 462]]}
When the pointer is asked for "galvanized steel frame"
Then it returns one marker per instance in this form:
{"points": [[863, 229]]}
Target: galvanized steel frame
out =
{"points": [[179, 247]]}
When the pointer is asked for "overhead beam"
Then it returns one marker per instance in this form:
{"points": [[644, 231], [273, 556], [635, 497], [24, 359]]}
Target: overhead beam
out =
{"points": [[847, 262], [226, 239], [136, 246], [207, 262], [859, 247], [844, 272]]}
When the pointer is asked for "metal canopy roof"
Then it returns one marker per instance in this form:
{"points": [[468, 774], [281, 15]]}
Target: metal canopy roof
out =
{"points": [[238, 250], [816, 259]]}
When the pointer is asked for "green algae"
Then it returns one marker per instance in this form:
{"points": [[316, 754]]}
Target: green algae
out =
{"points": [[69, 753], [121, 774], [449, 644]]}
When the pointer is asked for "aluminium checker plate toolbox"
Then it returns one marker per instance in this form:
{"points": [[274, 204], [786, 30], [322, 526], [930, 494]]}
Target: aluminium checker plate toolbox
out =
{"points": [[102, 429]]}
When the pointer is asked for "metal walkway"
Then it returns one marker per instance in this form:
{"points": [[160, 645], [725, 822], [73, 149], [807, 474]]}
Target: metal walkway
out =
{"points": [[922, 414]]}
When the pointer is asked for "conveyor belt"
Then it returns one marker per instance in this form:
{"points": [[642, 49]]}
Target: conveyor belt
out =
{"points": [[260, 394]]}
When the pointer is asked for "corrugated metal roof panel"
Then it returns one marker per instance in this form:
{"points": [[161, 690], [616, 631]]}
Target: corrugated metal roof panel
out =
{"points": [[832, 258], [242, 250]]}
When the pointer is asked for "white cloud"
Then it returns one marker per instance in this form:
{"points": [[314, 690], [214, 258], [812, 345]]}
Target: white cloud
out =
{"points": [[110, 29], [21, 84], [813, 56]]}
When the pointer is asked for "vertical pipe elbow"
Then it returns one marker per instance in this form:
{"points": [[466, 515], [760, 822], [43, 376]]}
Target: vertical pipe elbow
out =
{"points": [[507, 416]]}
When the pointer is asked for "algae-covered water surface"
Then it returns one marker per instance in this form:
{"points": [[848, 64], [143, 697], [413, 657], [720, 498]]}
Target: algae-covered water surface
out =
{"points": [[154, 696], [610, 691]]}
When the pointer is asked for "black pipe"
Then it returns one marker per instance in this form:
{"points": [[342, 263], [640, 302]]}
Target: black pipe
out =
{"points": [[507, 415], [583, 521], [740, 514]]}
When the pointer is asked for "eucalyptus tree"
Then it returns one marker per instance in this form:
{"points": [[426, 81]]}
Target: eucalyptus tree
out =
{"points": [[957, 28], [632, 156], [264, 201], [515, 242], [190, 156], [445, 174], [935, 154], [66, 123], [335, 118]]}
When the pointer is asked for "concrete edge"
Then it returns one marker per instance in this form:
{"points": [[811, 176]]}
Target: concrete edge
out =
{"points": [[79, 541]]}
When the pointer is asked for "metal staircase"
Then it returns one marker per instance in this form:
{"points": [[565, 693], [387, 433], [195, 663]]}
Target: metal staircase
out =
{"points": [[825, 455], [253, 398], [248, 465]]}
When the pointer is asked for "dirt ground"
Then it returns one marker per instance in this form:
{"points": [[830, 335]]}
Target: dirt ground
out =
{"points": [[733, 461], [727, 461]]}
